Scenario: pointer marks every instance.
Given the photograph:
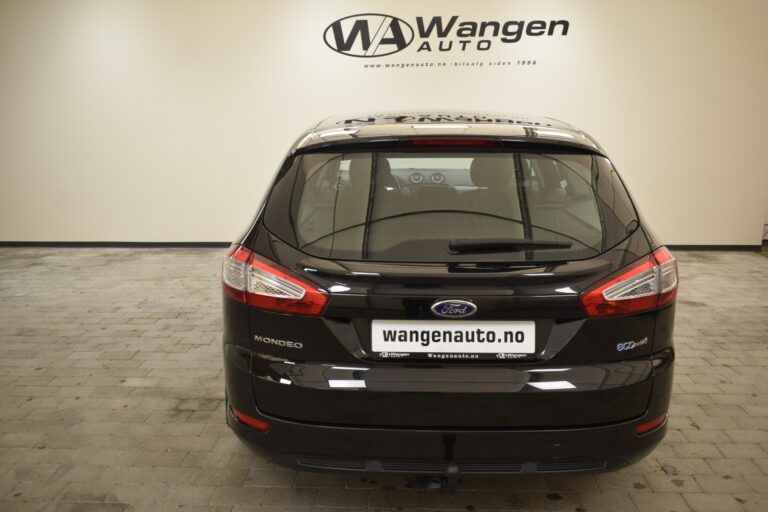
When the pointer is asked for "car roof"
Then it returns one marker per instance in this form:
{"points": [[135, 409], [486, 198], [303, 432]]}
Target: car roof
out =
{"points": [[431, 123]]}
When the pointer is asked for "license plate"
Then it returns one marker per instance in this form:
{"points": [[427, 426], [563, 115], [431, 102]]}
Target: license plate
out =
{"points": [[453, 336]]}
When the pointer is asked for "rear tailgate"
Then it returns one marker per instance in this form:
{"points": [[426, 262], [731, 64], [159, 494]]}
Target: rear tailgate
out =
{"points": [[569, 374]]}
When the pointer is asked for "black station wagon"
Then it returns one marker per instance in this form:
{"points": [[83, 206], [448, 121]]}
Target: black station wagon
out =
{"points": [[445, 293]]}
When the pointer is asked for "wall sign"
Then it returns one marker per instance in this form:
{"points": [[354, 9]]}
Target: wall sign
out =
{"points": [[378, 35]]}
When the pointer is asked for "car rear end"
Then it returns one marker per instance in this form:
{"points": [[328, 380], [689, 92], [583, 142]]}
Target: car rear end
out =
{"points": [[413, 303]]}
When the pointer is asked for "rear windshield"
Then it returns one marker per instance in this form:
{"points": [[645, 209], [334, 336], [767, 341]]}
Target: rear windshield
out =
{"points": [[450, 207]]}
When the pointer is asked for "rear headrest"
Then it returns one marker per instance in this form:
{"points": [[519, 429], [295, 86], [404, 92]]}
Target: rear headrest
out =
{"points": [[384, 177], [360, 170], [491, 171], [384, 167]]}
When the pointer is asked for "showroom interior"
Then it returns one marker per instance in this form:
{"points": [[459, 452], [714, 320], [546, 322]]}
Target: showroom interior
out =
{"points": [[138, 140]]}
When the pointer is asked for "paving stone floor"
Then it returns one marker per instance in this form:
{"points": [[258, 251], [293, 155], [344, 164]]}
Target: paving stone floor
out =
{"points": [[111, 400]]}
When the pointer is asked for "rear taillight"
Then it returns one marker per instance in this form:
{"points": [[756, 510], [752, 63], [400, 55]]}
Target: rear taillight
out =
{"points": [[648, 283], [254, 280]]}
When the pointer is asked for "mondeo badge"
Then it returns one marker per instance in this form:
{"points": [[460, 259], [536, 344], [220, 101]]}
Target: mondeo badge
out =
{"points": [[453, 308]]}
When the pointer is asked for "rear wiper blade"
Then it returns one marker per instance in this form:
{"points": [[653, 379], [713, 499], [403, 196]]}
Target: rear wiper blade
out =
{"points": [[464, 245]]}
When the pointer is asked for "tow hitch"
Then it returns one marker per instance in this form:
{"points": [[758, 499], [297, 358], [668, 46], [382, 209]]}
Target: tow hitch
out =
{"points": [[451, 478], [448, 481]]}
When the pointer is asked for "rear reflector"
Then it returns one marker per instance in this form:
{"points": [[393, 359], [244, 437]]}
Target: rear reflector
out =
{"points": [[450, 142], [650, 426], [261, 426], [251, 279], [648, 283]]}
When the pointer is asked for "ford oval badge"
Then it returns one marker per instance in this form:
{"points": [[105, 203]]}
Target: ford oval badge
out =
{"points": [[453, 308]]}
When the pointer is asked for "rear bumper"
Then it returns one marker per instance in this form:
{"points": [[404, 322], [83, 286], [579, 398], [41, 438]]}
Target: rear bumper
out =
{"points": [[431, 450], [321, 447]]}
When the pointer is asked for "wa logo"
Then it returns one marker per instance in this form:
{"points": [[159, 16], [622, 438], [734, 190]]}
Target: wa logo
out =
{"points": [[368, 35]]}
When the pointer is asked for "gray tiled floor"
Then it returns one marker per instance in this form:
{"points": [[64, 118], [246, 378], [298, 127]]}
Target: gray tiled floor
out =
{"points": [[111, 399]]}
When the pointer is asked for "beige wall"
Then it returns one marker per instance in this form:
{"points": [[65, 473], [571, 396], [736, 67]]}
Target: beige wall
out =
{"points": [[163, 120]]}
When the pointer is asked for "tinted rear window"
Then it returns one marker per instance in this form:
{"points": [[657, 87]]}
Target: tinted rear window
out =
{"points": [[414, 207]]}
